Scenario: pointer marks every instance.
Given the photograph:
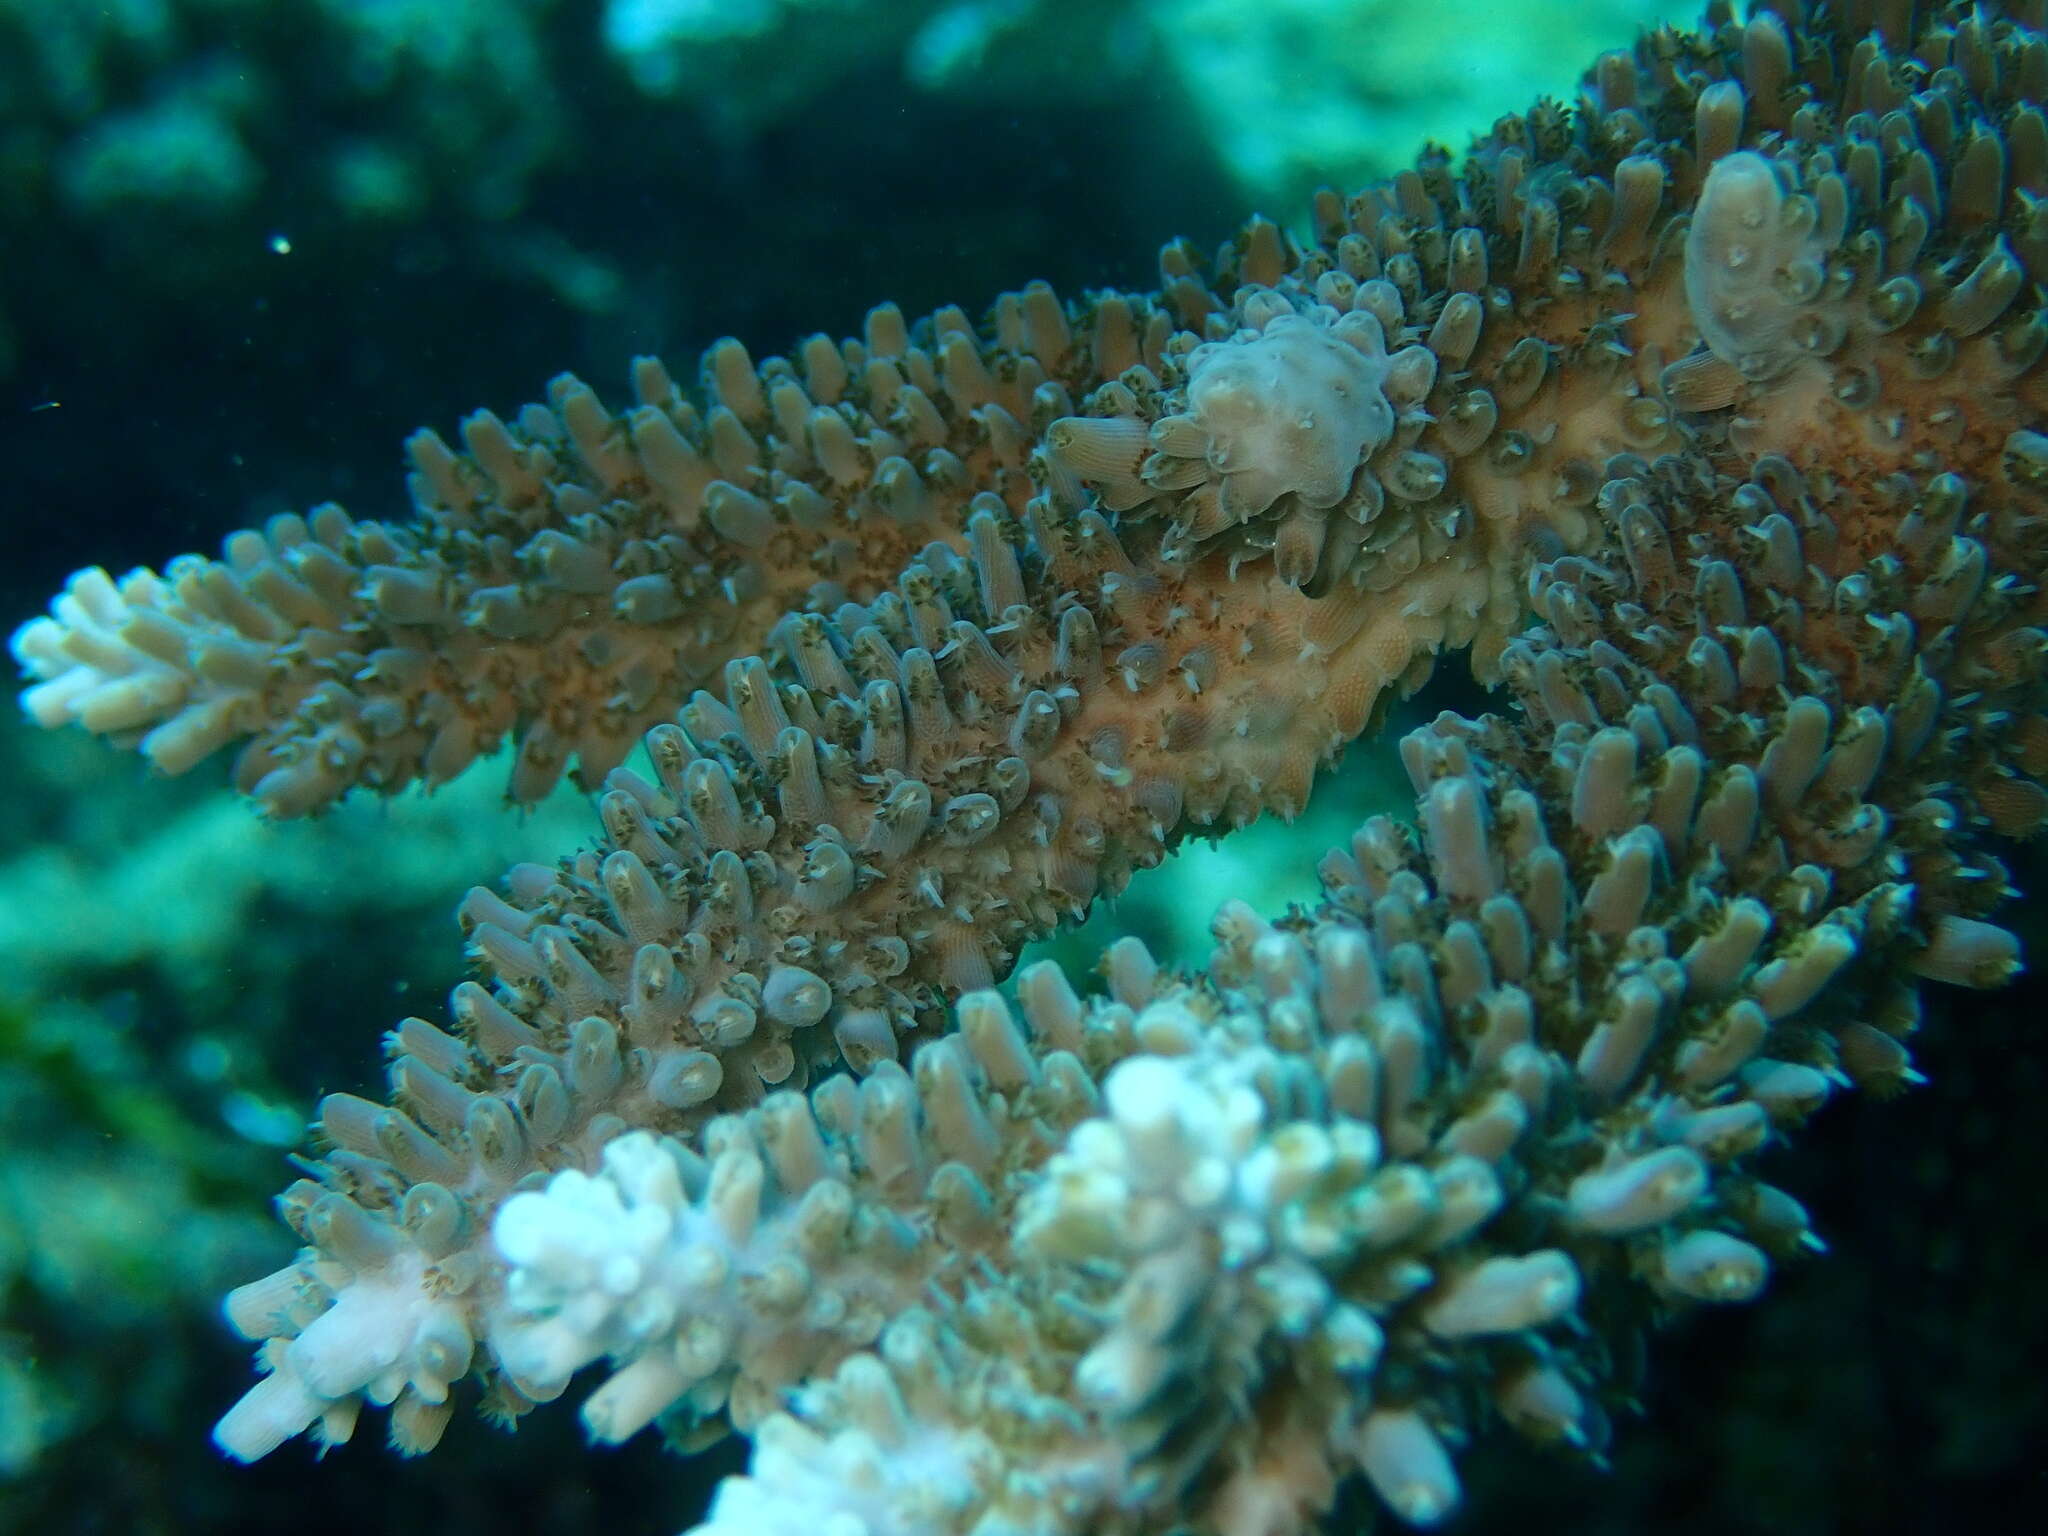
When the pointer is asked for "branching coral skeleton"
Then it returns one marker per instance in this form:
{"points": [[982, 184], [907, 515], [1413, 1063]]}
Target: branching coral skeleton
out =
{"points": [[1706, 413]]}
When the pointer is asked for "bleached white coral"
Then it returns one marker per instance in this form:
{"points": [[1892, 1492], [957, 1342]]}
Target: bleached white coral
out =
{"points": [[385, 1333], [623, 1263], [889, 1469], [716, 1284], [590, 1276], [125, 660]]}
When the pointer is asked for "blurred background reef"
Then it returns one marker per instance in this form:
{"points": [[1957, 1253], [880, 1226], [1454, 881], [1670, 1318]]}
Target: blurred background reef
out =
{"points": [[246, 245]]}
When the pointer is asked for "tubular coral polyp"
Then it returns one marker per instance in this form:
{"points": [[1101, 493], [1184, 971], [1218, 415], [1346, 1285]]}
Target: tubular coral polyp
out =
{"points": [[1707, 416]]}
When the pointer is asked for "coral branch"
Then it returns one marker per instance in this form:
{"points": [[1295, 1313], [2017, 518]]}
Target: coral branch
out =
{"points": [[1707, 415]]}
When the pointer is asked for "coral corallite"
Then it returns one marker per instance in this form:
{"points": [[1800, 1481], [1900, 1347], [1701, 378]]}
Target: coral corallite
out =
{"points": [[1705, 414]]}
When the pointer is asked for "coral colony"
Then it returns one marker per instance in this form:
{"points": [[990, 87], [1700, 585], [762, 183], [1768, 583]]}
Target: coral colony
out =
{"points": [[1705, 414]]}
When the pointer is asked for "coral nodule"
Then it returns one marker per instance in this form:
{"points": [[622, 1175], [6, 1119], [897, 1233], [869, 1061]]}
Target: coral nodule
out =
{"points": [[1706, 414]]}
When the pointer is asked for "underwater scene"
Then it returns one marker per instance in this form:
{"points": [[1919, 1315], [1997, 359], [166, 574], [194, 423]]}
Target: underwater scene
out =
{"points": [[1023, 767]]}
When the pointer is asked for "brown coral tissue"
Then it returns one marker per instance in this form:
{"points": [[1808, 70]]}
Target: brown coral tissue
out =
{"points": [[1704, 414]]}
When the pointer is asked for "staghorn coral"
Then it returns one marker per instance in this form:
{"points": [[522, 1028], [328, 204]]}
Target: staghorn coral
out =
{"points": [[1727, 378]]}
